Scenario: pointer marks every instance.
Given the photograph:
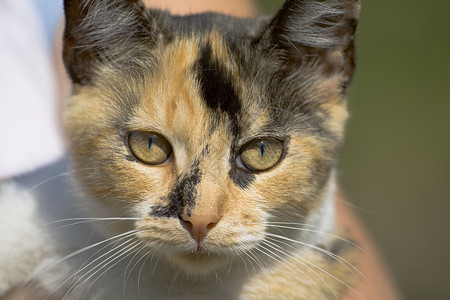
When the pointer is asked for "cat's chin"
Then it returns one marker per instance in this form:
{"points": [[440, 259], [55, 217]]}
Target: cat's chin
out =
{"points": [[199, 263]]}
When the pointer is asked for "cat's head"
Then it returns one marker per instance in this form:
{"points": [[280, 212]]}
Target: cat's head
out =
{"points": [[206, 128]]}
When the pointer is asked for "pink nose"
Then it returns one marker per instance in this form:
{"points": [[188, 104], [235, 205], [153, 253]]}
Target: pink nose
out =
{"points": [[198, 226]]}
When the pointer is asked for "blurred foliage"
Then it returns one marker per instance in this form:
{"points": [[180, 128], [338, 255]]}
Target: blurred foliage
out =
{"points": [[395, 165]]}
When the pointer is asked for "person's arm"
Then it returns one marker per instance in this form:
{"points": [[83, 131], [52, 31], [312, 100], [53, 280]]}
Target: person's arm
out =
{"points": [[377, 283]]}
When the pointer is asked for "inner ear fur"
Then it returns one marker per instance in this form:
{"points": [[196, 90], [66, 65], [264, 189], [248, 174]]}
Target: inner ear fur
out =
{"points": [[318, 33]]}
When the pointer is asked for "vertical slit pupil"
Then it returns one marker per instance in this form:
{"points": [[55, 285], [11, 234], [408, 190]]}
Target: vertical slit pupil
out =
{"points": [[150, 141], [262, 148]]}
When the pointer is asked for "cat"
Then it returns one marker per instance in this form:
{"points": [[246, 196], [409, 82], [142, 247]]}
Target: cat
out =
{"points": [[202, 159]]}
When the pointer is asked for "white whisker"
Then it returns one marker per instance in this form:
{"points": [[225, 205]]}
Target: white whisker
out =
{"points": [[293, 255], [75, 253], [256, 259], [286, 226], [94, 270], [126, 252], [140, 275], [43, 182], [127, 274], [341, 260], [245, 263], [287, 264]]}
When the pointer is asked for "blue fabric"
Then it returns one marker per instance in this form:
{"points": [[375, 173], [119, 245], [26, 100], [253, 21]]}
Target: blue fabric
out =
{"points": [[50, 13]]}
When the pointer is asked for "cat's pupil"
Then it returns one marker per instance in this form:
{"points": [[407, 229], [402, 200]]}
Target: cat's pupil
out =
{"points": [[150, 142], [262, 148]]}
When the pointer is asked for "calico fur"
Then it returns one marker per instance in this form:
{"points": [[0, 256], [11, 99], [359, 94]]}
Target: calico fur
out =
{"points": [[209, 84]]}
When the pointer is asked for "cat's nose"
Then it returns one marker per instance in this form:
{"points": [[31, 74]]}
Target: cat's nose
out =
{"points": [[198, 226]]}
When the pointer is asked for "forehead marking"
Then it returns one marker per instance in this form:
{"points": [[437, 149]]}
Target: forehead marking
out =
{"points": [[216, 86], [219, 94]]}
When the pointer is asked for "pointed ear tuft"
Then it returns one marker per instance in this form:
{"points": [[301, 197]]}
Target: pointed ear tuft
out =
{"points": [[104, 31], [315, 32]]}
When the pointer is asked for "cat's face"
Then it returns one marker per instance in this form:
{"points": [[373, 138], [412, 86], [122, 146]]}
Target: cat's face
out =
{"points": [[204, 131]]}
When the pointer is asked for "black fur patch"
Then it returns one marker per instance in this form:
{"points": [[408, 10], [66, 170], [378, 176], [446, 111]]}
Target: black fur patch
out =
{"points": [[220, 96], [182, 195], [217, 89], [241, 178]]}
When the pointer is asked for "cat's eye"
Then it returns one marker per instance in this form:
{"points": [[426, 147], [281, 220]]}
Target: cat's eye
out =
{"points": [[262, 154], [149, 147]]}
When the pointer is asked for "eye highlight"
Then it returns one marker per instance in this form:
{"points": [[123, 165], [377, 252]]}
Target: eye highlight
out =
{"points": [[261, 154], [149, 147]]}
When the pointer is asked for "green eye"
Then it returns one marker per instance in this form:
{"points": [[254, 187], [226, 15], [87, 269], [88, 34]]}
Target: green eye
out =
{"points": [[261, 154], [149, 147]]}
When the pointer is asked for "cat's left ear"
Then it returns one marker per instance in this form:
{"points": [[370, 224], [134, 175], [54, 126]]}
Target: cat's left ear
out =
{"points": [[102, 32], [315, 33]]}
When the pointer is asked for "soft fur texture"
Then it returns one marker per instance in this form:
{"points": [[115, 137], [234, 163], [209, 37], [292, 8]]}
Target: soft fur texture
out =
{"points": [[200, 225]]}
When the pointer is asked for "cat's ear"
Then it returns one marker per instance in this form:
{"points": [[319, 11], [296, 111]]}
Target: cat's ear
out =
{"points": [[318, 33], [102, 32]]}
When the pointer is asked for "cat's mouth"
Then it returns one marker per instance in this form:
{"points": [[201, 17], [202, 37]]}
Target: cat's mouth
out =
{"points": [[200, 261]]}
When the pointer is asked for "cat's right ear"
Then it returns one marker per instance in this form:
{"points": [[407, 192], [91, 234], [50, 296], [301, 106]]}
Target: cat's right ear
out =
{"points": [[101, 33], [314, 34]]}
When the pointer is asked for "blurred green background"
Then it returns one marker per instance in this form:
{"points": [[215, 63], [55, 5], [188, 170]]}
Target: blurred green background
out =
{"points": [[395, 165]]}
